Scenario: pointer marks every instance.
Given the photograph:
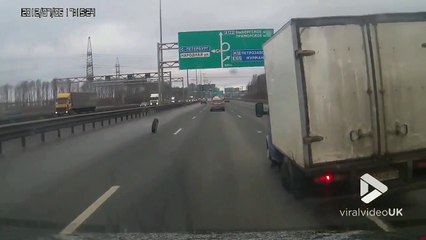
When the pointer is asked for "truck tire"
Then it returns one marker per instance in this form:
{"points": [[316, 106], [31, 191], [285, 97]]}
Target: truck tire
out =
{"points": [[285, 176], [268, 154], [293, 179], [274, 163], [154, 126]]}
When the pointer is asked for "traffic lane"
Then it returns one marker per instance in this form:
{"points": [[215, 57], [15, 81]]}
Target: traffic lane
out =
{"points": [[326, 211], [239, 152], [413, 205], [228, 181], [412, 201], [48, 183], [163, 202], [247, 110], [219, 180], [150, 198]]}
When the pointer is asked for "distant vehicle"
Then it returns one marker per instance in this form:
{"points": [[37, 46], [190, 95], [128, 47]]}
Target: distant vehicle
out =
{"points": [[226, 99], [217, 104], [144, 104], [153, 99], [173, 99], [203, 101], [75, 102]]}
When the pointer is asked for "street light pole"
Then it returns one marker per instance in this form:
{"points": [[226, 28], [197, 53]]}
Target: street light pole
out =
{"points": [[187, 82], [161, 25], [160, 59], [159, 70], [183, 89]]}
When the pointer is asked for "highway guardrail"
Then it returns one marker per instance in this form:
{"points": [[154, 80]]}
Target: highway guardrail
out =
{"points": [[25, 129], [24, 117], [250, 100]]}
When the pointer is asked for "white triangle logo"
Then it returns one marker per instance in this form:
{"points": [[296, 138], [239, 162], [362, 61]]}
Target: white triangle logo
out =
{"points": [[366, 181]]}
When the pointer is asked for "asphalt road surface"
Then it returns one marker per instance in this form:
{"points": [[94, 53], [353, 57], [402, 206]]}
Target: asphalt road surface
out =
{"points": [[202, 171]]}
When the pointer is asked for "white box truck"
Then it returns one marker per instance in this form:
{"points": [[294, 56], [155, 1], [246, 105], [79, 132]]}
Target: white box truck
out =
{"points": [[347, 96], [153, 99]]}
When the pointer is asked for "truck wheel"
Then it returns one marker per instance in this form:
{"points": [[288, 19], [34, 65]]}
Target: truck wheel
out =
{"points": [[285, 176], [293, 179], [154, 126], [268, 154]]}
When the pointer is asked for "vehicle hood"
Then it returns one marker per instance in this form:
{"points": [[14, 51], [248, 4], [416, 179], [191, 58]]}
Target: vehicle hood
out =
{"points": [[237, 235]]}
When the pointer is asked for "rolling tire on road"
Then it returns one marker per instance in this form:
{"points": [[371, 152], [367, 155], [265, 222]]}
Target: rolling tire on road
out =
{"points": [[154, 126]]}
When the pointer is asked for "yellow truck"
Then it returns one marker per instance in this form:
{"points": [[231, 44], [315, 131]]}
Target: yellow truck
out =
{"points": [[68, 103]]}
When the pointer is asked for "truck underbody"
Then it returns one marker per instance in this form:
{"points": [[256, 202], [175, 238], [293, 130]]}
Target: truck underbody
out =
{"points": [[342, 178], [63, 111]]}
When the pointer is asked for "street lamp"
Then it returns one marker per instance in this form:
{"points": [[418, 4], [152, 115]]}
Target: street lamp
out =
{"points": [[160, 58], [161, 25]]}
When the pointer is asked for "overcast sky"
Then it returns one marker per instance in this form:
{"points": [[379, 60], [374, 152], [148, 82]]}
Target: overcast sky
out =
{"points": [[33, 48]]}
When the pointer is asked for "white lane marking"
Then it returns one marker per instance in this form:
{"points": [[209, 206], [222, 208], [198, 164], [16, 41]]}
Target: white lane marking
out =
{"points": [[194, 117], [89, 211], [239, 116], [259, 131], [180, 129], [379, 222]]}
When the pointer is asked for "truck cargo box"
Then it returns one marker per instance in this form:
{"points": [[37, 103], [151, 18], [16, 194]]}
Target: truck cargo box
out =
{"points": [[83, 100], [348, 88]]}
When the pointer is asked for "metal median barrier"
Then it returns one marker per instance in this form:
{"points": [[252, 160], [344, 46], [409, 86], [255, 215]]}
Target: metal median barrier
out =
{"points": [[25, 129], [250, 100]]}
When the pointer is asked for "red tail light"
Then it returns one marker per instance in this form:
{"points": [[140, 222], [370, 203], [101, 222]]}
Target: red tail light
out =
{"points": [[325, 179], [420, 164]]}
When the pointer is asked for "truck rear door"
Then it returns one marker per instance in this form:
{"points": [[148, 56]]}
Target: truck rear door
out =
{"points": [[400, 50], [339, 95]]}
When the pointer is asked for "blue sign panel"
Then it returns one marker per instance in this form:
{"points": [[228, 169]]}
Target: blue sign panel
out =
{"points": [[247, 55]]}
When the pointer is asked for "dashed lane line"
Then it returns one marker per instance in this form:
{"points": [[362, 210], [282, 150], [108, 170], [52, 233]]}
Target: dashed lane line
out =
{"points": [[88, 212]]}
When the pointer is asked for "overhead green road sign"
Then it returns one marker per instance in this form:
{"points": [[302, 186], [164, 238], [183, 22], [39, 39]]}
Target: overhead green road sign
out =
{"points": [[216, 92], [222, 49]]}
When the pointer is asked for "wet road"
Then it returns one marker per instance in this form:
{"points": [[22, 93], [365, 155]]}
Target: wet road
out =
{"points": [[202, 171]]}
